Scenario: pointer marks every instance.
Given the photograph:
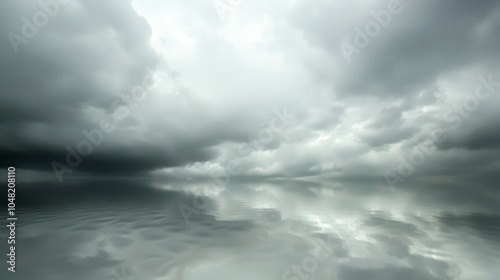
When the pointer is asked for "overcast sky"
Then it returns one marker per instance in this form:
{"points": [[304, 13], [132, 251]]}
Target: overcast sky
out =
{"points": [[312, 90]]}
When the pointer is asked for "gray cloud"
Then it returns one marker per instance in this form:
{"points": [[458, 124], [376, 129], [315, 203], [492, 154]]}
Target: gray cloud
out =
{"points": [[217, 84]]}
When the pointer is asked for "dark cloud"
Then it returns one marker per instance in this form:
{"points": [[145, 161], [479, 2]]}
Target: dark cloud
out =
{"points": [[486, 136], [420, 44], [217, 91], [261, 116], [484, 225]]}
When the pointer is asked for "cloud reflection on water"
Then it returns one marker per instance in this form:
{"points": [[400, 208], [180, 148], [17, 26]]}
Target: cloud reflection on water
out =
{"points": [[249, 231]]}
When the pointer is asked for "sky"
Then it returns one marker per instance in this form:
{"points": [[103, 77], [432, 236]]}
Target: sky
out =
{"points": [[348, 92], [375, 122]]}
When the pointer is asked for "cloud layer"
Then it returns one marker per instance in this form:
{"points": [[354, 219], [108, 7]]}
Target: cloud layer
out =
{"points": [[265, 91]]}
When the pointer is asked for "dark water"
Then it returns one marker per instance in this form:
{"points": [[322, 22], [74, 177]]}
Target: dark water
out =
{"points": [[252, 231]]}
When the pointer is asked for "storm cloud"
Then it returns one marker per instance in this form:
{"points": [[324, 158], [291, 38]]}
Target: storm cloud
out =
{"points": [[216, 89]]}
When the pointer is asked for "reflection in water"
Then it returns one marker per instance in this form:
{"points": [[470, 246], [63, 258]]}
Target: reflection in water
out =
{"points": [[250, 231]]}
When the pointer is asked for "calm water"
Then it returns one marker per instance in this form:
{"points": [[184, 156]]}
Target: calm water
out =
{"points": [[253, 231]]}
